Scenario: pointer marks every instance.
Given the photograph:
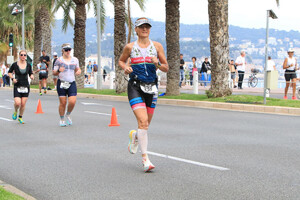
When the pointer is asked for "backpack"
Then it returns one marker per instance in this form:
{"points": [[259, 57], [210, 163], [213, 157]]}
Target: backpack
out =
{"points": [[95, 68]]}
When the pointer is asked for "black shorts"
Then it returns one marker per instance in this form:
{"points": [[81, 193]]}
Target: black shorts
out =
{"points": [[138, 99], [43, 76], [71, 91], [289, 75], [18, 94]]}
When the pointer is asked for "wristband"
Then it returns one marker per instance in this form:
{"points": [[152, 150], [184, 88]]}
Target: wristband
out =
{"points": [[159, 65]]}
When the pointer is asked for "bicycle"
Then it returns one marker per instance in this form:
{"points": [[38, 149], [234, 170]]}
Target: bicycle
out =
{"points": [[253, 80]]}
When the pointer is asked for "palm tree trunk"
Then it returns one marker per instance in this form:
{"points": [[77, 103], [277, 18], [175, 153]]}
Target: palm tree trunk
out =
{"points": [[173, 50], [219, 47], [79, 39], [37, 43], [119, 43], [129, 22], [46, 36]]}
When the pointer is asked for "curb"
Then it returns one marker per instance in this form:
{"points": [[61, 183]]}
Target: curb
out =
{"points": [[16, 191], [198, 104]]}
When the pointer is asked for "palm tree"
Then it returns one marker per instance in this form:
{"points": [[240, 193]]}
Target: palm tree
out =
{"points": [[119, 43], [79, 28], [219, 47], [13, 24], [141, 4], [173, 50]]}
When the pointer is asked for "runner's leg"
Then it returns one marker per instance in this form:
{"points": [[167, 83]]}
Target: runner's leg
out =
{"points": [[23, 104], [17, 104]]}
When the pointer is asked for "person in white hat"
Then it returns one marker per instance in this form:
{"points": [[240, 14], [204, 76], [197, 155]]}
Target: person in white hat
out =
{"points": [[290, 66], [54, 77], [146, 57], [66, 67]]}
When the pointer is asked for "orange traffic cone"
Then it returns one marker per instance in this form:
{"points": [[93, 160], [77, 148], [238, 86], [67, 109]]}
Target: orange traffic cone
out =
{"points": [[39, 108], [114, 120]]}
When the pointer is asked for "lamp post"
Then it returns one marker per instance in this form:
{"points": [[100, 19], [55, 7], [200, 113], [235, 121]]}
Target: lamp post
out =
{"points": [[271, 14], [99, 72], [16, 9], [23, 27]]}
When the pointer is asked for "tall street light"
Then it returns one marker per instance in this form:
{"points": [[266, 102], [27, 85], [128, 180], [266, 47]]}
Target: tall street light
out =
{"points": [[16, 9], [271, 14], [99, 72]]}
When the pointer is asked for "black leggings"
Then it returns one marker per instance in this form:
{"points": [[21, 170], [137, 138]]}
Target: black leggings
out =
{"points": [[241, 78]]}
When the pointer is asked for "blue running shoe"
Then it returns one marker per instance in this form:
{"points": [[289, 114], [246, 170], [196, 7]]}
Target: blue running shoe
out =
{"points": [[14, 116]]}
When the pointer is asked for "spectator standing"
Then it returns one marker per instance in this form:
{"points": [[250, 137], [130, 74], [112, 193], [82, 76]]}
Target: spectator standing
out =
{"points": [[290, 66], [270, 64], [1, 74], [240, 62], [233, 71], [192, 68], [89, 71], [95, 69], [181, 69], [104, 75], [205, 67], [5, 75]]}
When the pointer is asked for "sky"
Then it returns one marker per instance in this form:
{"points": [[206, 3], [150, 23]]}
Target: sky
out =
{"points": [[243, 13]]}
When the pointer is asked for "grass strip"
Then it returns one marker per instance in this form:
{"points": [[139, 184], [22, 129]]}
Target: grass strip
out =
{"points": [[242, 99], [5, 195]]}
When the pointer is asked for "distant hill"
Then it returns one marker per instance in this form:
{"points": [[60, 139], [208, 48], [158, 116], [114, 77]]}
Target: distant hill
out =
{"points": [[198, 34]]}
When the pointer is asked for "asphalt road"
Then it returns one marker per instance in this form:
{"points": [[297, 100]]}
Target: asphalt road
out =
{"points": [[89, 160]]}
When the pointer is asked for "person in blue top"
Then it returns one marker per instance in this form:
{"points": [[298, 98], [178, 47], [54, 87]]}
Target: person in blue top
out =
{"points": [[42, 69], [146, 57], [89, 71]]}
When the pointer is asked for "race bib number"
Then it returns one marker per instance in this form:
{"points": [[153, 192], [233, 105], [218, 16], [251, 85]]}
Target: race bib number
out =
{"points": [[65, 85], [149, 88], [22, 89]]}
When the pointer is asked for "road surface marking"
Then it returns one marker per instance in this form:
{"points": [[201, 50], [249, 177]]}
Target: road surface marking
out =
{"points": [[188, 161], [9, 120], [12, 101], [97, 104], [98, 113], [5, 107]]}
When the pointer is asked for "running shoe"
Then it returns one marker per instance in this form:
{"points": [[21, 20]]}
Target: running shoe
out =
{"points": [[294, 98], [133, 142], [41, 94], [285, 97], [14, 116], [148, 166], [45, 91], [21, 120], [69, 120], [62, 123]]}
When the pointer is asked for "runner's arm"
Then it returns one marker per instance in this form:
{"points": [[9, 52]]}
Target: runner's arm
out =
{"points": [[124, 57], [285, 64], [162, 58]]}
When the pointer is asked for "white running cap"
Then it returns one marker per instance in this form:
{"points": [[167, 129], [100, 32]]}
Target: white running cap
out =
{"points": [[291, 50], [54, 54], [66, 46], [142, 21]]}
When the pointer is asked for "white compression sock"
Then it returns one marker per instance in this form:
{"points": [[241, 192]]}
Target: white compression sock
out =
{"points": [[143, 140]]}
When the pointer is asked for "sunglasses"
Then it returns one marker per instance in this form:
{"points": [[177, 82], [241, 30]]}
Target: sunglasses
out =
{"points": [[66, 50], [23, 55]]}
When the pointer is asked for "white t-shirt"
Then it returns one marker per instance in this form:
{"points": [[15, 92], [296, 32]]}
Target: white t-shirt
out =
{"points": [[4, 70], [241, 60], [69, 73], [291, 61], [270, 65]]}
